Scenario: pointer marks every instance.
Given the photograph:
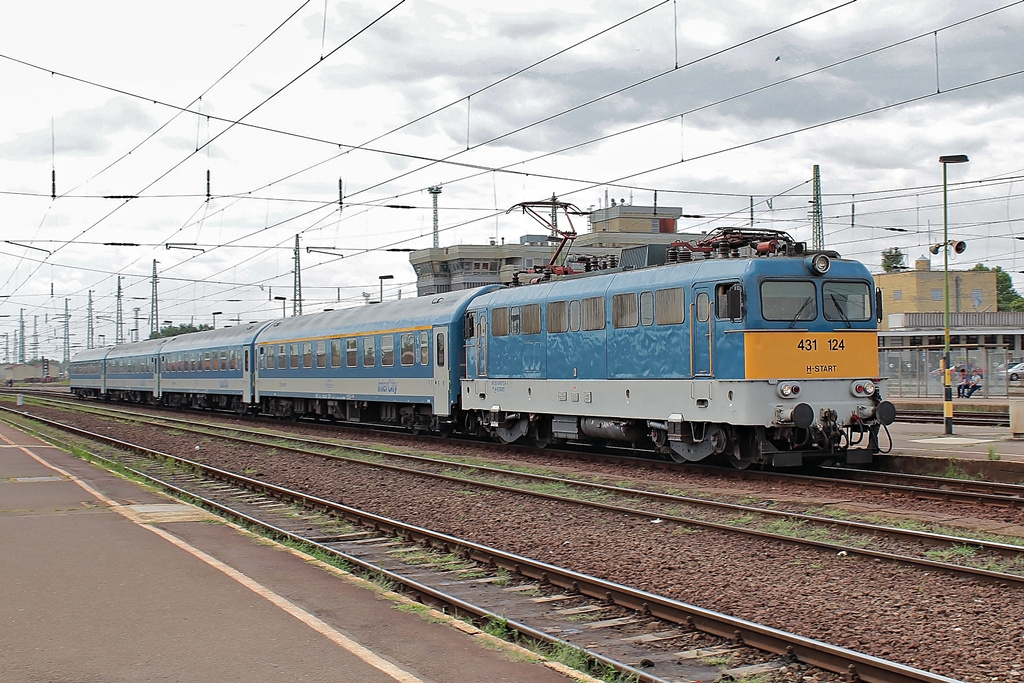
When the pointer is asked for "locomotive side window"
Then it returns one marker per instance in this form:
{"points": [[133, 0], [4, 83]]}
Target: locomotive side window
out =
{"points": [[729, 302], [669, 306], [788, 301], [593, 313], [574, 316], [514, 319], [351, 351], [558, 316], [440, 349], [846, 301], [625, 310], [321, 354], [369, 352], [468, 330], [336, 354], [424, 348], [408, 349], [499, 322], [531, 319], [703, 307], [646, 308], [387, 350]]}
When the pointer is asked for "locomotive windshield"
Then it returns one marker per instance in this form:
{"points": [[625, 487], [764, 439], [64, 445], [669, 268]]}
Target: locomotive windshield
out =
{"points": [[846, 301], [788, 300]]}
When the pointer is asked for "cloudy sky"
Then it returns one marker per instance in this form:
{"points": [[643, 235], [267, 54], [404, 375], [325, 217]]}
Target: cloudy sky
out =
{"points": [[708, 103]]}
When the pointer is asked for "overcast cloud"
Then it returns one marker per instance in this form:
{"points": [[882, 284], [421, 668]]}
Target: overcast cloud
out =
{"points": [[738, 120]]}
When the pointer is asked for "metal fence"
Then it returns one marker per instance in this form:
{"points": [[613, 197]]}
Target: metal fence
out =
{"points": [[916, 371]]}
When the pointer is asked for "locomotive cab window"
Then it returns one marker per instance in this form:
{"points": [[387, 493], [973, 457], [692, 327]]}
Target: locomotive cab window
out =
{"points": [[788, 301], [729, 302], [846, 301]]}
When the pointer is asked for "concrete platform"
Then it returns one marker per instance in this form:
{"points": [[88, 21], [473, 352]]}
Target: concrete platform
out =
{"points": [[104, 580]]}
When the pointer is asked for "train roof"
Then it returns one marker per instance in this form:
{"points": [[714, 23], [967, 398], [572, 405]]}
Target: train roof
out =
{"points": [[402, 314], [98, 353], [207, 339], [593, 284], [141, 348]]}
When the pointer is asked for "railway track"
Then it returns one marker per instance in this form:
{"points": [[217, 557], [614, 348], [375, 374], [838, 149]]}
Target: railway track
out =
{"points": [[284, 513], [825, 533]]}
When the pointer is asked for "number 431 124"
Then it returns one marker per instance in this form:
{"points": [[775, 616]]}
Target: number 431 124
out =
{"points": [[812, 344]]}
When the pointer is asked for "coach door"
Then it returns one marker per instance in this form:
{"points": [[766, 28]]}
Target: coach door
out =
{"points": [[701, 331], [481, 344], [442, 382]]}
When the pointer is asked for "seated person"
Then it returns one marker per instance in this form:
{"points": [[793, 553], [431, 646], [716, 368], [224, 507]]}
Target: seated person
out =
{"points": [[974, 385]]}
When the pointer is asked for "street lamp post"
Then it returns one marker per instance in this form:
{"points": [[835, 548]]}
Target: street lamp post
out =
{"points": [[282, 299], [382, 278], [215, 314], [947, 406]]}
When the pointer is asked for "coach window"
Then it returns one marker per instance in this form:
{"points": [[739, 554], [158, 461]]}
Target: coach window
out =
{"points": [[282, 357], [351, 351], [294, 348], [232, 362], [574, 316], [321, 354], [646, 308], [625, 310], [514, 320], [531, 319], [387, 350], [789, 301], [593, 313], [408, 349], [266, 357], [846, 301], [369, 352], [439, 344], [224, 359], [424, 348], [307, 354], [499, 322], [336, 353]]}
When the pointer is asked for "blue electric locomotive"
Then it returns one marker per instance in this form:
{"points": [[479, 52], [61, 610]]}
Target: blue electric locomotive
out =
{"points": [[760, 359]]}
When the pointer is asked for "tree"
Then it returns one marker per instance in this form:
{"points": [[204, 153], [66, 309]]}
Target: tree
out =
{"points": [[1007, 298], [892, 259], [175, 330]]}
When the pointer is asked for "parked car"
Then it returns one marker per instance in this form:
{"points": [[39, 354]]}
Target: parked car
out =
{"points": [[1014, 372]]}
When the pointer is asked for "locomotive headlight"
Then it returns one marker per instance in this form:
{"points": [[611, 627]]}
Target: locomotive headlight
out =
{"points": [[862, 387], [819, 264], [788, 389]]}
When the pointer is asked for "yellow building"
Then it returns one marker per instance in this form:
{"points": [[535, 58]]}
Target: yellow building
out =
{"points": [[922, 290]]}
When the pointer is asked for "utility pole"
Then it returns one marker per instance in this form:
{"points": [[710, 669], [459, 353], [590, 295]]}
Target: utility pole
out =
{"points": [[135, 330], [119, 317], [67, 333], [434, 191], [35, 337], [818, 234], [21, 337], [154, 324], [297, 288], [89, 329]]}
